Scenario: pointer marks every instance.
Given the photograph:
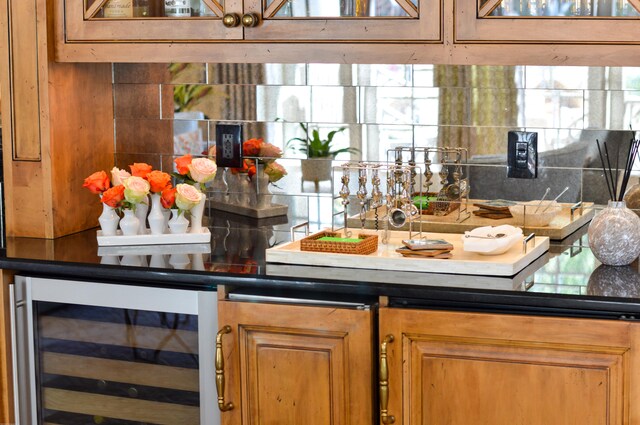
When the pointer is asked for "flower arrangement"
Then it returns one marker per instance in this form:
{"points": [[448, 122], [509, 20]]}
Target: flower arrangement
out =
{"points": [[196, 172], [257, 151], [125, 191]]}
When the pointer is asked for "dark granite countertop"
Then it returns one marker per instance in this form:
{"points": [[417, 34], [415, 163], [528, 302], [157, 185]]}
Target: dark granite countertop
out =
{"points": [[567, 280]]}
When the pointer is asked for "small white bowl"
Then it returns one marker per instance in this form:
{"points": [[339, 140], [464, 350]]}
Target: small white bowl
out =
{"points": [[483, 240], [530, 215]]}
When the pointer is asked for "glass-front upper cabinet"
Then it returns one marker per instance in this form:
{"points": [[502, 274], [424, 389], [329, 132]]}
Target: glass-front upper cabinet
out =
{"points": [[533, 21], [276, 20]]}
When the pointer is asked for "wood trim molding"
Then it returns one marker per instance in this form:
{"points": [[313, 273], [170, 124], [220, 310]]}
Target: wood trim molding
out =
{"points": [[273, 8], [410, 8], [7, 414], [91, 11], [488, 7], [215, 7], [635, 4]]}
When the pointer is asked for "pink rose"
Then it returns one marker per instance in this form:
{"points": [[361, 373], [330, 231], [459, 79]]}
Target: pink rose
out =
{"points": [[275, 171], [136, 189], [118, 176], [187, 196], [268, 150], [202, 170]]}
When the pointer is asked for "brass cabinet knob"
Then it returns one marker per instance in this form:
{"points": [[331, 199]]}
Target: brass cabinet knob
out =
{"points": [[231, 20], [222, 405], [250, 20]]}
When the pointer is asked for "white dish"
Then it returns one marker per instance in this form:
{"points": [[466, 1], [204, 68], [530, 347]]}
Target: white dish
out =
{"points": [[487, 240], [534, 213]]}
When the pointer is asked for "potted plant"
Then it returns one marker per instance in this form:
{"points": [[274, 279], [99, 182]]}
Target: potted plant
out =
{"points": [[319, 152]]}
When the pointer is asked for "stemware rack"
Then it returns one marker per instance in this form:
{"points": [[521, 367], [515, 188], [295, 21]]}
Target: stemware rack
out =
{"points": [[456, 193]]}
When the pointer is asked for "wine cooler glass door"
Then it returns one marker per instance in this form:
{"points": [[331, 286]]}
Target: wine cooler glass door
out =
{"points": [[114, 354]]}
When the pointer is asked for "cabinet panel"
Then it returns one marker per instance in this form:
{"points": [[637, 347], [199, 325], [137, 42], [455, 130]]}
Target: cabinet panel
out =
{"points": [[291, 364], [529, 22], [89, 24], [392, 20], [461, 368], [284, 20]]}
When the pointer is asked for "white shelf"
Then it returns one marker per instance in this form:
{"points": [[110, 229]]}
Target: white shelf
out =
{"points": [[148, 239]]}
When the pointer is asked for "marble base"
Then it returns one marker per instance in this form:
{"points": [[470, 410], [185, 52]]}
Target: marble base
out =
{"points": [[272, 211]]}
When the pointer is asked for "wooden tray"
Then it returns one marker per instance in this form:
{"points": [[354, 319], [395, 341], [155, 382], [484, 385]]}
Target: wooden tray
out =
{"points": [[385, 258], [562, 225]]}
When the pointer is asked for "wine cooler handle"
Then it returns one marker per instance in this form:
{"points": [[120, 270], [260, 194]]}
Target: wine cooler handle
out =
{"points": [[385, 418], [224, 407]]}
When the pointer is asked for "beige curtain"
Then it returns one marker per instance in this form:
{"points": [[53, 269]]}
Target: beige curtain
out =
{"points": [[476, 106]]}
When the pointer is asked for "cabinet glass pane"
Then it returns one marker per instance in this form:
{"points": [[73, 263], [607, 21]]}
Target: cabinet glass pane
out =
{"points": [[569, 8], [340, 8], [128, 9], [116, 366]]}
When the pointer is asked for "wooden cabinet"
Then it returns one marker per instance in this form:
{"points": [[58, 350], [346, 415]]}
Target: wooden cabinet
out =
{"points": [[467, 368], [288, 20], [533, 21], [290, 365]]}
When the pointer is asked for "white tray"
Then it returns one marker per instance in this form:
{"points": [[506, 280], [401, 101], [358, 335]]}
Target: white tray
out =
{"points": [[148, 239], [467, 263]]}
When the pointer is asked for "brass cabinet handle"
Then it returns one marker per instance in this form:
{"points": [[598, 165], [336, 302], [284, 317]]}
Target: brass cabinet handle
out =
{"points": [[385, 418], [250, 20], [231, 20], [224, 407]]}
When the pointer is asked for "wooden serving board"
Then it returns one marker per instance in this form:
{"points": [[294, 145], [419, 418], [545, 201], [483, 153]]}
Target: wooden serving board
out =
{"points": [[560, 227], [461, 262]]}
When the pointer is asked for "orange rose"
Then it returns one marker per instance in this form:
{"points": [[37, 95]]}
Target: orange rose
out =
{"points": [[182, 164], [113, 196], [158, 181], [252, 171], [252, 147], [140, 169], [97, 182], [168, 197], [243, 169]]}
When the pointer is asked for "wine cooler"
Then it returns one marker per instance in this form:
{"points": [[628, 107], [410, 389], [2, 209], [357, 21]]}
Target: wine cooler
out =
{"points": [[96, 353]]}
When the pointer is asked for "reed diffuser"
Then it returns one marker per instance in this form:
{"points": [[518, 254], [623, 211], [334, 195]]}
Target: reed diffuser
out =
{"points": [[614, 233]]}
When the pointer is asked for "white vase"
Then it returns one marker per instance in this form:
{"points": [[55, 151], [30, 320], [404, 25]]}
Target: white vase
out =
{"points": [[131, 260], [197, 262], [110, 259], [239, 189], [196, 215], [262, 194], [614, 235], [167, 215], [178, 222], [219, 187], [129, 224], [179, 261], [108, 221], [158, 260], [156, 217], [141, 212]]}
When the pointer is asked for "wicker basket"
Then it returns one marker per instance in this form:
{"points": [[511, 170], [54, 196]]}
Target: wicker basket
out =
{"points": [[368, 244], [451, 207]]}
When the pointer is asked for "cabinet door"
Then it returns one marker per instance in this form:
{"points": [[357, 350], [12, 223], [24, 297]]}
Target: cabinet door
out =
{"points": [[540, 21], [292, 365], [335, 20], [485, 369], [93, 20]]}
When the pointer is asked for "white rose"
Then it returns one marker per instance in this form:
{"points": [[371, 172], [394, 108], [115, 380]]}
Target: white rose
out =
{"points": [[118, 176], [136, 189], [202, 170], [187, 196]]}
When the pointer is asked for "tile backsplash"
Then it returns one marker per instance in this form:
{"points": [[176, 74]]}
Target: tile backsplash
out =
{"points": [[163, 111]]}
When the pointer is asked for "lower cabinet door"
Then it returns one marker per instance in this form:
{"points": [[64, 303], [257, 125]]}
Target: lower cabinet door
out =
{"points": [[294, 365], [485, 369]]}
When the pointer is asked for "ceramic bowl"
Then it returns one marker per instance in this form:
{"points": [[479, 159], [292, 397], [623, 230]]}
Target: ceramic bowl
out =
{"points": [[530, 215], [484, 240]]}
